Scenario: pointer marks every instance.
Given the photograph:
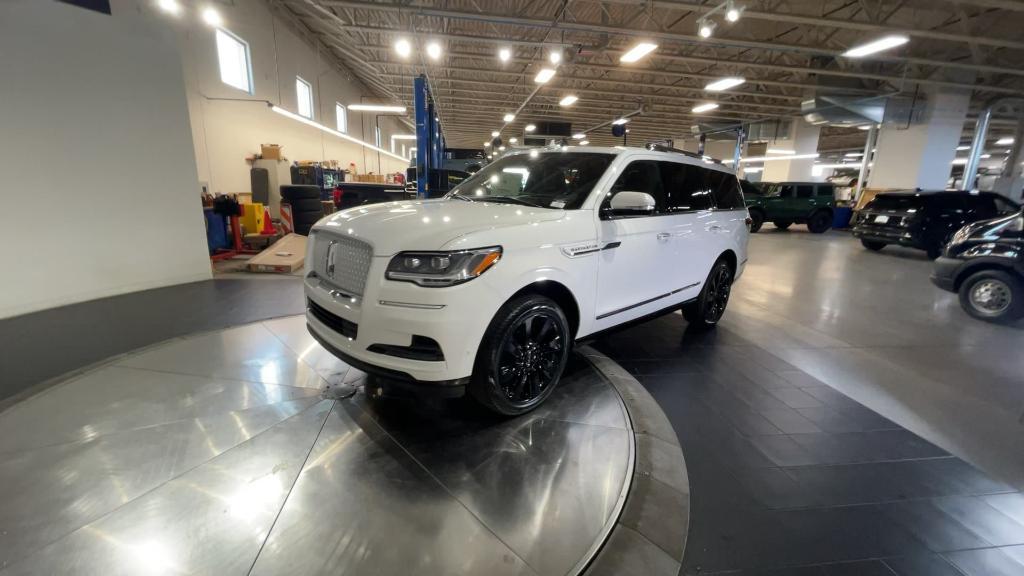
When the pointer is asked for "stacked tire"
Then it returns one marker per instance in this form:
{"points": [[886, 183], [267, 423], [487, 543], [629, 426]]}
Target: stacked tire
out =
{"points": [[305, 203]]}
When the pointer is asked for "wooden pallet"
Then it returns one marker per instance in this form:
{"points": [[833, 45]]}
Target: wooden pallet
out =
{"points": [[286, 255]]}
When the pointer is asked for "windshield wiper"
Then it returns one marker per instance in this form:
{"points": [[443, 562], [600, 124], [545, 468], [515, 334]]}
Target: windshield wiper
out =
{"points": [[511, 200], [461, 197]]}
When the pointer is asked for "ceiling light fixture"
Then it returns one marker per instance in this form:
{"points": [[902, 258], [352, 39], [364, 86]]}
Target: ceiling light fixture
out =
{"points": [[508, 117], [530, 127], [568, 100], [403, 48], [584, 142], [486, 144], [705, 28], [620, 121], [169, 6], [534, 153], [704, 107], [504, 54], [637, 52], [434, 51], [883, 43], [555, 56], [403, 136], [733, 12], [853, 154], [725, 83], [495, 134], [962, 148], [771, 158], [579, 136], [544, 75], [513, 140], [779, 151], [501, 148], [377, 108], [1008, 141], [212, 17]]}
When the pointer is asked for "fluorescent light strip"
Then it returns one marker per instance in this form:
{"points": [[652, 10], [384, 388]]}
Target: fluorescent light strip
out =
{"points": [[770, 158], [376, 108], [544, 75], [1008, 141], [834, 166], [780, 151], [341, 135], [637, 52], [724, 84], [884, 43], [704, 107]]}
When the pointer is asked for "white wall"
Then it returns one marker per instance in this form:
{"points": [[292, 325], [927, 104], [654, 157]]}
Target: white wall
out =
{"points": [[98, 180], [229, 124]]}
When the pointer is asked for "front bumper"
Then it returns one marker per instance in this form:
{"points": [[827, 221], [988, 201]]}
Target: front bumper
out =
{"points": [[945, 272], [390, 313]]}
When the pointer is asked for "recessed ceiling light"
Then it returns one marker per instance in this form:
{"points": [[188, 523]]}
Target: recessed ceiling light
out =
{"points": [[508, 117], [544, 75], [555, 57], [434, 50], [704, 107], [884, 43], [725, 84], [169, 6], [495, 134], [1008, 141], [377, 108], [504, 54], [568, 100], [212, 17], [637, 52], [403, 48], [579, 136], [530, 127]]}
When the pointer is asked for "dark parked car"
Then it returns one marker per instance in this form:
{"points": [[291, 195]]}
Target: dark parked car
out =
{"points": [[984, 263], [788, 203], [924, 220]]}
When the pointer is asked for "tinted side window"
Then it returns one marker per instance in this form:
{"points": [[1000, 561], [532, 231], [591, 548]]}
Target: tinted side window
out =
{"points": [[726, 190], [787, 191], [804, 191], [947, 202], [982, 206], [686, 187], [1004, 206], [826, 190], [642, 176]]}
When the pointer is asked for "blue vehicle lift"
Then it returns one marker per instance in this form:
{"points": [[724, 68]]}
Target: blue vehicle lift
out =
{"points": [[429, 137]]}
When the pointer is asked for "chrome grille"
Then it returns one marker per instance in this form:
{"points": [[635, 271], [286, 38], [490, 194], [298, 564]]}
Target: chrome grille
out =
{"points": [[342, 261]]}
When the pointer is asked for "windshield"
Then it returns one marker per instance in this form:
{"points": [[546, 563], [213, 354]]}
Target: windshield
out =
{"points": [[556, 180], [771, 189]]}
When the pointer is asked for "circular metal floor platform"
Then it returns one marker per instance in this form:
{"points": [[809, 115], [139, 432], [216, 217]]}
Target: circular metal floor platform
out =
{"points": [[223, 453]]}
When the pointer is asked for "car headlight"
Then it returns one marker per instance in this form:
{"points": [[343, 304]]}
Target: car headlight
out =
{"points": [[439, 269]]}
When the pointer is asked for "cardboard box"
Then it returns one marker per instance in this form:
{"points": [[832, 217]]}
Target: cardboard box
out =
{"points": [[270, 151], [371, 178]]}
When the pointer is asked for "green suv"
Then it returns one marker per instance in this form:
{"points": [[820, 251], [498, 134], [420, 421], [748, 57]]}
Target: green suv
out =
{"points": [[787, 203]]}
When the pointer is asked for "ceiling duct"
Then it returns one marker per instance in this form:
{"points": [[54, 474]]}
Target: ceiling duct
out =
{"points": [[843, 110]]}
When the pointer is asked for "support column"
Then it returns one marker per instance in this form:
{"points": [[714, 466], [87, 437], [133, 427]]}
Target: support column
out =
{"points": [[920, 155], [803, 139]]}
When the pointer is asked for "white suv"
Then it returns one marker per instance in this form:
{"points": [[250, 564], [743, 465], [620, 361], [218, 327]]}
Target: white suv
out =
{"points": [[488, 288]]}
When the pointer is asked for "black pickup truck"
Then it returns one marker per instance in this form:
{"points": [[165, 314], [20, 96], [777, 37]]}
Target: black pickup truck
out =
{"points": [[349, 194]]}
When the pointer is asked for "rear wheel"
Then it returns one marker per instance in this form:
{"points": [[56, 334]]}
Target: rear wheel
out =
{"points": [[993, 295], [819, 222], [873, 245], [522, 355], [782, 224], [705, 312], [756, 220]]}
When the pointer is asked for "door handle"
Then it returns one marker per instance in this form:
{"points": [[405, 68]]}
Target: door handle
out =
{"points": [[663, 235]]}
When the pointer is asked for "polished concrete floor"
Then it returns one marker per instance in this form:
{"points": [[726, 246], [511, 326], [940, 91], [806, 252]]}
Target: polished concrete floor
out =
{"points": [[831, 422], [231, 452]]}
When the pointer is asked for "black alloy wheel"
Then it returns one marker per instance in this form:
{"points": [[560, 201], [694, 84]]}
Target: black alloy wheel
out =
{"points": [[705, 312], [756, 220], [820, 222], [873, 245], [522, 355]]}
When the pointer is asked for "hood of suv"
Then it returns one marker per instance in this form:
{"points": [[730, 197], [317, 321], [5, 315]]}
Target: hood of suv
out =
{"points": [[429, 224]]}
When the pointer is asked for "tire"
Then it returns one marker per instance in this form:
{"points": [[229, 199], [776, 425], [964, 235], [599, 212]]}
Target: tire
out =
{"points": [[291, 192], [819, 222], [782, 224], [520, 360], [756, 220], [993, 296], [705, 312], [303, 221], [306, 205], [873, 245]]}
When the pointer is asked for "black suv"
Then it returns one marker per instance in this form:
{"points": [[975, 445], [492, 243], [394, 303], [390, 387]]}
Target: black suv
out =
{"points": [[984, 262], [925, 220]]}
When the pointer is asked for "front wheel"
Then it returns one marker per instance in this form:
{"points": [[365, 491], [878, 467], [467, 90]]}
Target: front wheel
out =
{"points": [[522, 355], [993, 295], [873, 245], [819, 222], [756, 220], [705, 312]]}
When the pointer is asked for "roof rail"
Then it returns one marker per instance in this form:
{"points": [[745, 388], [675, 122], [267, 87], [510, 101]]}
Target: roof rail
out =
{"points": [[654, 146]]}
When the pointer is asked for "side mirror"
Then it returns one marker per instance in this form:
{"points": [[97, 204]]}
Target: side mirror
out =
{"points": [[628, 203]]}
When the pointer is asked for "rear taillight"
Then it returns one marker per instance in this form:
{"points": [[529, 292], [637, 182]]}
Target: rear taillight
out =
{"points": [[338, 193]]}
